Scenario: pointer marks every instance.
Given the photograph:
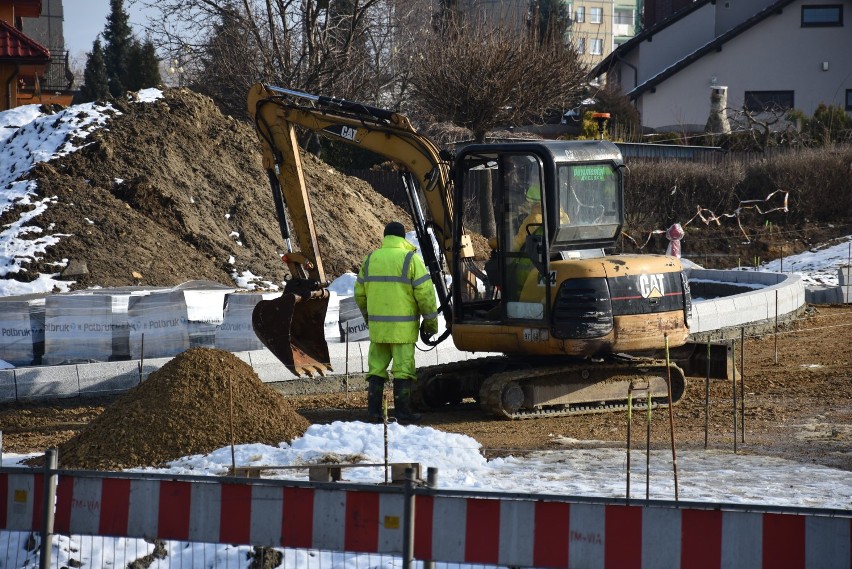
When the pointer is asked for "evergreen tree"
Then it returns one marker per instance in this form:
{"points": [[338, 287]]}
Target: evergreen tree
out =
{"points": [[118, 36], [550, 19], [95, 82], [231, 57], [143, 66]]}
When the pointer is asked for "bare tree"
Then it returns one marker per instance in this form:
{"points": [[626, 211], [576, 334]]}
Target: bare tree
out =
{"points": [[343, 48], [764, 126], [480, 76]]}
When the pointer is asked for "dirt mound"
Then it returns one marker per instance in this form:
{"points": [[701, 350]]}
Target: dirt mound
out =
{"points": [[184, 408], [172, 191]]}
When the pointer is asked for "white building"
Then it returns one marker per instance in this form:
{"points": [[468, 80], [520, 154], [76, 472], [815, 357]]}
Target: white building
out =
{"points": [[787, 54]]}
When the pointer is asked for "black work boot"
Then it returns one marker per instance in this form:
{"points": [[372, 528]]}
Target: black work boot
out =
{"points": [[375, 395], [402, 402]]}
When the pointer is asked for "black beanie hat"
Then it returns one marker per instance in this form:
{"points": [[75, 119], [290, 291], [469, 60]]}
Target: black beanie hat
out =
{"points": [[395, 228]]}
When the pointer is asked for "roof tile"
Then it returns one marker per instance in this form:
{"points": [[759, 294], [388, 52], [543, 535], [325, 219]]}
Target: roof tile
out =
{"points": [[15, 46]]}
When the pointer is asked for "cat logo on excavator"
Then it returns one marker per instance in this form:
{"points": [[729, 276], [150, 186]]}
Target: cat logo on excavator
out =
{"points": [[652, 286]]}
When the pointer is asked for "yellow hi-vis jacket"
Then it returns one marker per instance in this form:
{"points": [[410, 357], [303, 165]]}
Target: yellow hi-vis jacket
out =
{"points": [[393, 290]]}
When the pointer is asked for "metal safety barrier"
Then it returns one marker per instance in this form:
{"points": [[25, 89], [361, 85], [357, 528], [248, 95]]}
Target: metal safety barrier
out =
{"points": [[417, 522]]}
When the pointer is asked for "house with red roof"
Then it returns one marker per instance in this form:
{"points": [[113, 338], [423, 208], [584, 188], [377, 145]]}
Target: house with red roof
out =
{"points": [[23, 60]]}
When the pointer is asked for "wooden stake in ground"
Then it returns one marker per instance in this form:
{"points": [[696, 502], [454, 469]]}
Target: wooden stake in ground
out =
{"points": [[346, 375], [742, 385], [707, 397], [671, 415], [385, 421], [231, 422], [648, 449], [734, 389], [629, 425], [776, 328]]}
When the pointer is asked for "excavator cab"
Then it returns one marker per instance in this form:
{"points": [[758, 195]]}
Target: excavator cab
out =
{"points": [[549, 201]]}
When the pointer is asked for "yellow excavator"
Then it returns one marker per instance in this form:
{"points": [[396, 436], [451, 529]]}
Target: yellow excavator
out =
{"points": [[577, 328]]}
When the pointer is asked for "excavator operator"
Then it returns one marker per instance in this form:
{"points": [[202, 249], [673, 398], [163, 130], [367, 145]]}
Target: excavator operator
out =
{"points": [[532, 220], [392, 291]]}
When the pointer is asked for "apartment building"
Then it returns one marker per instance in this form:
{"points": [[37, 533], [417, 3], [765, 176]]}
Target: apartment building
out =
{"points": [[596, 27]]}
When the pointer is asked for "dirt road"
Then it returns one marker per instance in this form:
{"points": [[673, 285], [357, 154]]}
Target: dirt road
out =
{"points": [[799, 408]]}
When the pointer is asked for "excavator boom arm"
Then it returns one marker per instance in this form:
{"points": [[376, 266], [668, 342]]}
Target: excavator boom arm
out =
{"points": [[278, 111], [291, 326]]}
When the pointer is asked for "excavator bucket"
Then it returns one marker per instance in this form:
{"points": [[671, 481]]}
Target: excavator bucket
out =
{"points": [[292, 327]]}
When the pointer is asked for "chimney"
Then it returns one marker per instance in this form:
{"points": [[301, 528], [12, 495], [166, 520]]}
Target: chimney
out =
{"points": [[717, 122]]}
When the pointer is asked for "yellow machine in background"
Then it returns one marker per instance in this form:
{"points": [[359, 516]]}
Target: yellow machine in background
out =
{"points": [[574, 324]]}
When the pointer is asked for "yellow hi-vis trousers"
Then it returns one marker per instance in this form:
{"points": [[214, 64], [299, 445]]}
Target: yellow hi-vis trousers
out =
{"points": [[380, 355]]}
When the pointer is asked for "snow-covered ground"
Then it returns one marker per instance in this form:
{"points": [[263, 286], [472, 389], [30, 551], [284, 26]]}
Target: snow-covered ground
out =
{"points": [[819, 266]]}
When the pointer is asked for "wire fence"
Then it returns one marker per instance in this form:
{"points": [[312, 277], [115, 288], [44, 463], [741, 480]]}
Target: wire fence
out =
{"points": [[141, 520], [20, 550]]}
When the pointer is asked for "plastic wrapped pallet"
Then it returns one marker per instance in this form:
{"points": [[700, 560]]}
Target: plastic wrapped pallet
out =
{"points": [[236, 334], [121, 322], [22, 329], [77, 328], [158, 325], [120, 327], [204, 314], [351, 322]]}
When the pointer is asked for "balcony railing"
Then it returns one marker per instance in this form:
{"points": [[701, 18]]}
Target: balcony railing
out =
{"points": [[58, 75]]}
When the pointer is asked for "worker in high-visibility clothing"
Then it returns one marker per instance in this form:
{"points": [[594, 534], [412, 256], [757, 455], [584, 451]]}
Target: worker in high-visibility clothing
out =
{"points": [[393, 291]]}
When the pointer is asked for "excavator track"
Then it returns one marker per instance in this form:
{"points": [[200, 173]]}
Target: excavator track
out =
{"points": [[451, 383], [517, 388]]}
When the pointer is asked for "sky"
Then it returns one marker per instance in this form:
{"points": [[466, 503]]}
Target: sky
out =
{"points": [[85, 19], [587, 468]]}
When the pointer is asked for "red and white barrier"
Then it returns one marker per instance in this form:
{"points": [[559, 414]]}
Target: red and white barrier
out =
{"points": [[485, 529], [223, 512], [531, 533], [21, 506]]}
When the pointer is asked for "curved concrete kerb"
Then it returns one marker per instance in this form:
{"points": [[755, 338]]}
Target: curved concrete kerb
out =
{"points": [[728, 301]]}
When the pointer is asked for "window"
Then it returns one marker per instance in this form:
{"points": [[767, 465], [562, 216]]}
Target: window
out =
{"points": [[581, 14], [589, 202], [822, 15], [623, 17], [595, 15], [762, 101], [581, 45], [596, 47], [849, 99]]}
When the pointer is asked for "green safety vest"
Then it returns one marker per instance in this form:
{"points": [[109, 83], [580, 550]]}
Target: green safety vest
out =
{"points": [[393, 290]]}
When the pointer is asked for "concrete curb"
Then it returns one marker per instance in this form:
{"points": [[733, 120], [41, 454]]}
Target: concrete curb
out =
{"points": [[762, 298], [752, 301], [98, 379]]}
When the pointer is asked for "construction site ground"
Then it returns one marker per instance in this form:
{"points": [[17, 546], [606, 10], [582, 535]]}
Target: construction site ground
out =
{"points": [[799, 408], [174, 191]]}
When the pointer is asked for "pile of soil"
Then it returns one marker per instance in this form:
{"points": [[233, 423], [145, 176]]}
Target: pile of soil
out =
{"points": [[173, 190], [184, 408]]}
